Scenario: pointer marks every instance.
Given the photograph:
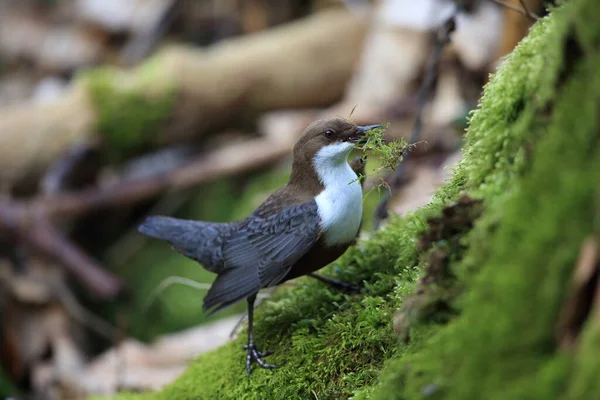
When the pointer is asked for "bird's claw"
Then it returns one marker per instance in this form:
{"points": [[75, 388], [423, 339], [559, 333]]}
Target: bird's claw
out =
{"points": [[343, 286], [337, 284], [348, 287], [261, 354], [255, 355]]}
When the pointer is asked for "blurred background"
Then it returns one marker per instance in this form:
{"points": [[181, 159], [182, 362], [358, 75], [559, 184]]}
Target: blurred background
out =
{"points": [[111, 110]]}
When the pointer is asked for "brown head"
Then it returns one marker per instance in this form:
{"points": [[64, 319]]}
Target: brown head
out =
{"points": [[325, 140]]}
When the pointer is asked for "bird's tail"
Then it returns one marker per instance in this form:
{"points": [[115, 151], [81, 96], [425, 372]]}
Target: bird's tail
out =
{"points": [[193, 239]]}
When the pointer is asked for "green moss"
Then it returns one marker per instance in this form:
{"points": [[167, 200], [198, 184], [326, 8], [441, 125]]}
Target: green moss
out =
{"points": [[131, 107], [532, 155], [6, 386], [389, 153], [585, 366], [316, 329], [540, 208]]}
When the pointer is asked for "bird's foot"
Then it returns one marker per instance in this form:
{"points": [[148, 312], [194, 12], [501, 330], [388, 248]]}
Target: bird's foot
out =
{"points": [[255, 355], [345, 286], [337, 284]]}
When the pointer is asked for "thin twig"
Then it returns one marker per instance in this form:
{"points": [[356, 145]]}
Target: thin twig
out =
{"points": [[56, 177], [33, 230], [531, 15], [442, 38], [83, 315], [43, 237], [131, 243], [227, 161], [29, 221], [142, 44], [121, 364], [39, 235], [172, 280], [523, 11]]}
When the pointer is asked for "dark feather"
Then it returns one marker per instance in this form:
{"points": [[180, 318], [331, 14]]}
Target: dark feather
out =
{"points": [[198, 240], [270, 246], [230, 287]]}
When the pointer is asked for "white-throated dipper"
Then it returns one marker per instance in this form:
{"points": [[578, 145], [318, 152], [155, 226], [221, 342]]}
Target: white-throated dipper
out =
{"points": [[299, 229]]}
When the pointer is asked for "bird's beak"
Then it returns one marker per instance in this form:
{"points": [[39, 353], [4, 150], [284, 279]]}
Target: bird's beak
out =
{"points": [[360, 131]]}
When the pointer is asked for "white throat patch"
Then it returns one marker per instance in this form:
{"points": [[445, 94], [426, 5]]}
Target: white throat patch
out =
{"points": [[340, 203]]}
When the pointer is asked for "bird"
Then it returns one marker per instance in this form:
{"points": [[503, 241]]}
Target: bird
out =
{"points": [[300, 228]]}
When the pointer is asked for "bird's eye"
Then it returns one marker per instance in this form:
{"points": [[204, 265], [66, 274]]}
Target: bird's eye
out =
{"points": [[329, 133]]}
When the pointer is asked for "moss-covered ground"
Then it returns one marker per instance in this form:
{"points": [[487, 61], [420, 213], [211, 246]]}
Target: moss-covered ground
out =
{"points": [[497, 284]]}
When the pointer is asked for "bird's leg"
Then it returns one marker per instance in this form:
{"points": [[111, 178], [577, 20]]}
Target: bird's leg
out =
{"points": [[346, 287], [253, 353]]}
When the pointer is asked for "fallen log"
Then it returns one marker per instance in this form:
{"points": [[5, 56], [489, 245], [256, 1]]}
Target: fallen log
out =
{"points": [[184, 92]]}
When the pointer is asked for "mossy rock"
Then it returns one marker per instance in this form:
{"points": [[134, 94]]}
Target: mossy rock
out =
{"points": [[533, 157]]}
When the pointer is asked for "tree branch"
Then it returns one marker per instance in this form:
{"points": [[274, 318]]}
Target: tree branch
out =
{"points": [[36, 232], [30, 221], [523, 11], [442, 38], [230, 160]]}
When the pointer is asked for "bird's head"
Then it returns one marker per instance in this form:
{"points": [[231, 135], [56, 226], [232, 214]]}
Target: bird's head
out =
{"points": [[330, 140], [323, 149]]}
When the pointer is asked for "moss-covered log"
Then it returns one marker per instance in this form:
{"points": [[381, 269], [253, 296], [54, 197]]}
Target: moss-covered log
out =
{"points": [[532, 157], [182, 92]]}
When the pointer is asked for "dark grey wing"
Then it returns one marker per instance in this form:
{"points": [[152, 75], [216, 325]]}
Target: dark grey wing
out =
{"points": [[262, 251], [198, 240]]}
